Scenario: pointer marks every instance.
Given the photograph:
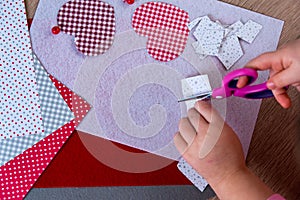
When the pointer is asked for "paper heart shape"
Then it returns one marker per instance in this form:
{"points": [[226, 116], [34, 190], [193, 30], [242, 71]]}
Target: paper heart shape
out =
{"points": [[165, 25], [91, 22]]}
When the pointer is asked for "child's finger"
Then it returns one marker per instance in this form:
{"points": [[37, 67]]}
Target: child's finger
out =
{"points": [[214, 129], [284, 78], [197, 121], [297, 85], [282, 97], [264, 61], [180, 143], [187, 131], [204, 109], [242, 82]]}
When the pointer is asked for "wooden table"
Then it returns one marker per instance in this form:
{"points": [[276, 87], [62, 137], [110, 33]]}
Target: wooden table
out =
{"points": [[274, 153]]}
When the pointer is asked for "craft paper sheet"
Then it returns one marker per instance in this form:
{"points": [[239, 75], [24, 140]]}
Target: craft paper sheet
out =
{"points": [[134, 96], [20, 113], [18, 175], [55, 113]]}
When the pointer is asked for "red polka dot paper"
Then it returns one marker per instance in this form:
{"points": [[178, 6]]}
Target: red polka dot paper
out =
{"points": [[18, 175], [165, 25], [20, 112], [92, 22]]}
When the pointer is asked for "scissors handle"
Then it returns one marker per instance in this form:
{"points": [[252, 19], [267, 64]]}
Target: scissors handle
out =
{"points": [[229, 86], [259, 91]]}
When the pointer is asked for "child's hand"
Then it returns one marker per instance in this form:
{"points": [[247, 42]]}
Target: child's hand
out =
{"points": [[284, 65], [225, 158], [224, 166]]}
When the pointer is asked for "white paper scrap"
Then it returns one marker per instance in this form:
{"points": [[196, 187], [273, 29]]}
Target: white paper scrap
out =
{"points": [[194, 23], [204, 25], [212, 37], [230, 52], [193, 86], [222, 41], [198, 49], [235, 27], [192, 174], [249, 31]]}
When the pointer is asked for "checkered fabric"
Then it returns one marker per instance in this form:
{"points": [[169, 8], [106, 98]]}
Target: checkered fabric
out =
{"points": [[92, 22], [165, 25], [55, 113]]}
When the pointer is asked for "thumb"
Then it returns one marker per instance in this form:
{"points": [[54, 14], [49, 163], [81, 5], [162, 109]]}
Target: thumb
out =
{"points": [[283, 78]]}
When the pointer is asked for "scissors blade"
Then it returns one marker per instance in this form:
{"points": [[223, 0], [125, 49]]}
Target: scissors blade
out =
{"points": [[199, 97]]}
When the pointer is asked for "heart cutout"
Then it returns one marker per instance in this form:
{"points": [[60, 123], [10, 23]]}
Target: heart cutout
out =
{"points": [[91, 22], [165, 25]]}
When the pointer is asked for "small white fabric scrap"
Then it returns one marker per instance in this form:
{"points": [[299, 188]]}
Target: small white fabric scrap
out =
{"points": [[193, 86], [222, 41], [192, 174], [249, 31]]}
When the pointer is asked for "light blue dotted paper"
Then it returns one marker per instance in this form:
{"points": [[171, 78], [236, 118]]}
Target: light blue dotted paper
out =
{"points": [[20, 113], [55, 113]]}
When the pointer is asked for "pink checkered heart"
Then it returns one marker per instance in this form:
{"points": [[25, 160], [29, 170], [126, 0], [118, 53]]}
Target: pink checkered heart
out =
{"points": [[165, 25], [91, 22]]}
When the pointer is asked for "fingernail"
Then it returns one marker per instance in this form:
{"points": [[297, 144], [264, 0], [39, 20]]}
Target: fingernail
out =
{"points": [[271, 85]]}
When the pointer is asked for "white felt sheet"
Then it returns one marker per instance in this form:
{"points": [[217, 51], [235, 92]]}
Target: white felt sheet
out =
{"points": [[131, 92]]}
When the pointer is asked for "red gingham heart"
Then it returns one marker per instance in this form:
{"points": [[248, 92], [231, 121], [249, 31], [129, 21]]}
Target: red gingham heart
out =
{"points": [[92, 22], [165, 25]]}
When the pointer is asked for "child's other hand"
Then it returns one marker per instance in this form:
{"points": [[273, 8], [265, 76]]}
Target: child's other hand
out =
{"points": [[225, 158], [224, 166], [284, 65]]}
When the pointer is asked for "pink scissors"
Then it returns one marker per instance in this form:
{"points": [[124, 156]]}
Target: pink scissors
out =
{"points": [[229, 87]]}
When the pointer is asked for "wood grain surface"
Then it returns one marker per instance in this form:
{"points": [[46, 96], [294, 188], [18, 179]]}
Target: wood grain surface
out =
{"points": [[274, 153]]}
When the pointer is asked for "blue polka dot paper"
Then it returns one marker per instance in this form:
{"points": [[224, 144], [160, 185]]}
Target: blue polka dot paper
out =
{"points": [[55, 113], [20, 113]]}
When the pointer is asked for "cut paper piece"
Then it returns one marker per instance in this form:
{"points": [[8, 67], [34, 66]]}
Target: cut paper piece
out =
{"points": [[165, 25], [192, 174], [91, 22], [192, 24], [230, 52], [18, 175], [20, 113], [55, 113], [233, 28], [212, 37], [249, 31], [215, 39], [210, 49], [210, 42], [198, 49], [193, 86], [204, 26]]}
